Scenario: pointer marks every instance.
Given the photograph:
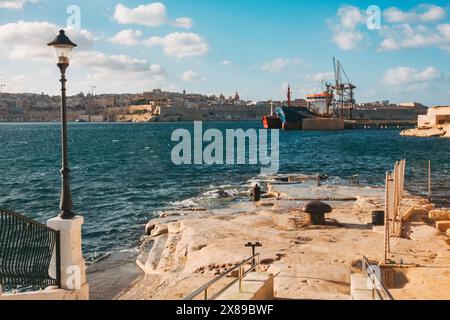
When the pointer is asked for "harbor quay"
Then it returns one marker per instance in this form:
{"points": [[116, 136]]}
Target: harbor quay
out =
{"points": [[297, 259]]}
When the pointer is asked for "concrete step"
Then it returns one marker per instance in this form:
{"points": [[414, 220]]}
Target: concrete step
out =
{"points": [[359, 289], [255, 286]]}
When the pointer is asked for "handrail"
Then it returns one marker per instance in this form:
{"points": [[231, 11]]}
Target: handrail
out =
{"points": [[376, 281], [204, 288], [26, 219], [27, 250]]}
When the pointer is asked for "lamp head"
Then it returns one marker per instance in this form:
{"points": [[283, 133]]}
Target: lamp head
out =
{"points": [[62, 48]]}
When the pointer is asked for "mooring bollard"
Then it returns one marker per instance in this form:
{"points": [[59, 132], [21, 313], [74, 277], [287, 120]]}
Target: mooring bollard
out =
{"points": [[316, 211], [256, 193]]}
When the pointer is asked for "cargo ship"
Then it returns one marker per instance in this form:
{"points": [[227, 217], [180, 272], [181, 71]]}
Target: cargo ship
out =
{"points": [[291, 118]]}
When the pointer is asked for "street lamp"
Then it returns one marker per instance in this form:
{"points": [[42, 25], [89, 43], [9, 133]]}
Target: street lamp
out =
{"points": [[62, 48]]}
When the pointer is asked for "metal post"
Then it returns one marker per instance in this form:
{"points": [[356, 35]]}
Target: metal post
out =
{"points": [[206, 294], [66, 196], [400, 186], [429, 180], [258, 268], [386, 218], [58, 259], [403, 177], [394, 184], [253, 246], [241, 273]]}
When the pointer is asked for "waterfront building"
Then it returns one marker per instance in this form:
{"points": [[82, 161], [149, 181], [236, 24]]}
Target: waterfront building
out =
{"points": [[436, 116]]}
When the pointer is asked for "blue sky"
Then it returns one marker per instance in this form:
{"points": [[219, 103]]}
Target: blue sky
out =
{"points": [[255, 47]]}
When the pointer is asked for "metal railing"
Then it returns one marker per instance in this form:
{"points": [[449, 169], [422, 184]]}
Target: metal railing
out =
{"points": [[26, 252], [255, 260], [394, 194], [379, 290]]}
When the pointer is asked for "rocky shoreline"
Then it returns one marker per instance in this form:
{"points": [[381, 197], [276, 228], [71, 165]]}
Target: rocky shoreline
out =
{"points": [[185, 248], [428, 132]]}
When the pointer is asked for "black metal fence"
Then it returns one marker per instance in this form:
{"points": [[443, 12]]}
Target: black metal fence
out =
{"points": [[26, 252]]}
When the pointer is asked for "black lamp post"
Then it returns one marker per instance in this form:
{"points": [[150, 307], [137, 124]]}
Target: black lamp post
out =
{"points": [[62, 48]]}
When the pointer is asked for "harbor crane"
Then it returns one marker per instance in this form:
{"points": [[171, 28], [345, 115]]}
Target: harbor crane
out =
{"points": [[344, 93]]}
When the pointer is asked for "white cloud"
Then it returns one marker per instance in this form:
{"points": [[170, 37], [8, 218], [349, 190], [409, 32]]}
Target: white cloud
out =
{"points": [[409, 29], [323, 76], [422, 13], [117, 63], [407, 36], [406, 76], [347, 40], [27, 40], [108, 82], [400, 29], [15, 4], [20, 78], [150, 15], [119, 71], [180, 44], [344, 27], [226, 63], [279, 64], [186, 23], [191, 76], [350, 17], [128, 37]]}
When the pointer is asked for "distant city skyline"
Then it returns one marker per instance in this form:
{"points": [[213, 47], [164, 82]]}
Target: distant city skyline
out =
{"points": [[253, 47]]}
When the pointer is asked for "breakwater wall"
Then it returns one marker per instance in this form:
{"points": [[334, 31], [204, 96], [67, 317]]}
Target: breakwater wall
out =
{"points": [[212, 113]]}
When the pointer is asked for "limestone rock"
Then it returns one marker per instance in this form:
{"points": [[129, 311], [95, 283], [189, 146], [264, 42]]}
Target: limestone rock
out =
{"points": [[149, 227], [159, 229], [307, 262], [443, 226], [439, 215], [169, 214], [424, 133]]}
